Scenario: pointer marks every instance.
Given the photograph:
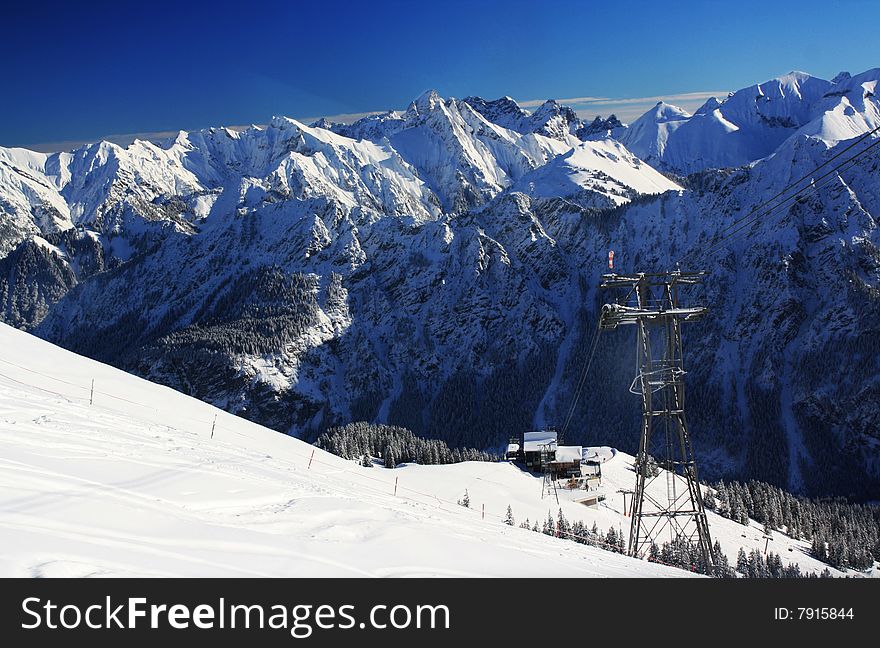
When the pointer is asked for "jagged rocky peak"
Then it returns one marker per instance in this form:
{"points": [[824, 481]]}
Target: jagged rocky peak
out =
{"points": [[283, 123], [495, 108], [555, 120], [504, 112], [552, 108], [324, 123], [663, 111], [551, 118], [712, 103], [426, 102], [601, 127]]}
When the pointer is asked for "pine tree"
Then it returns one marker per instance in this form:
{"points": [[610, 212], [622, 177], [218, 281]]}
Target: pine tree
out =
{"points": [[723, 505], [709, 500], [742, 562], [819, 548], [549, 525], [579, 532], [390, 461], [366, 462], [508, 517], [466, 500], [722, 566], [563, 528], [611, 539]]}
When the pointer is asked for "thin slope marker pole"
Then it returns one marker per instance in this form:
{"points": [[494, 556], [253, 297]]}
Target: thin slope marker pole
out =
{"points": [[213, 425], [310, 460], [395, 485], [92, 393]]}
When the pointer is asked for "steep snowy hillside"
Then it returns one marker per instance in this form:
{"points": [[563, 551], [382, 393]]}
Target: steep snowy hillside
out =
{"points": [[148, 482], [650, 133], [753, 122], [434, 269], [135, 485], [29, 200], [603, 170]]}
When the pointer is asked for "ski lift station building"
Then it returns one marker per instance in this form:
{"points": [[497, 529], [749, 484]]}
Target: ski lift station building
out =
{"points": [[538, 448], [541, 451]]}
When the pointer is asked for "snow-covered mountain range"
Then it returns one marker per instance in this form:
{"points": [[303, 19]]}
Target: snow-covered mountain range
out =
{"points": [[437, 268]]}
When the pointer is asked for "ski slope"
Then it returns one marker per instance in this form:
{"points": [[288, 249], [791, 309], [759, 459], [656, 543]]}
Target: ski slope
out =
{"points": [[134, 485]]}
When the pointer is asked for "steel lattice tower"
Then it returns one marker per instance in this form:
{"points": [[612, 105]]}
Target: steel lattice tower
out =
{"points": [[651, 303]]}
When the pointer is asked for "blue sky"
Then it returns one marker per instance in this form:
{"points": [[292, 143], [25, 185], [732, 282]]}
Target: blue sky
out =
{"points": [[72, 74]]}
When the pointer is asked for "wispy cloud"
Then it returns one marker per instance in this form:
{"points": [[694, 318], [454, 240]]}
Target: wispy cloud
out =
{"points": [[534, 103], [629, 108], [122, 140], [343, 118], [159, 136]]}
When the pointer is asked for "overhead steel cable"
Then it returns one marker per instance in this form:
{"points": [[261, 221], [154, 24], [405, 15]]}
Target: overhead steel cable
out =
{"points": [[823, 181], [583, 377], [807, 176], [755, 215]]}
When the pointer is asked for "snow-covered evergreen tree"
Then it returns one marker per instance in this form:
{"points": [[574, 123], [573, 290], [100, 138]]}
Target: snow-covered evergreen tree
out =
{"points": [[508, 517], [549, 525]]}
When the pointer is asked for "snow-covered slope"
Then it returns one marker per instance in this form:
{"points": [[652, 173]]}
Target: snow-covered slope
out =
{"points": [[134, 484], [602, 169], [650, 133]]}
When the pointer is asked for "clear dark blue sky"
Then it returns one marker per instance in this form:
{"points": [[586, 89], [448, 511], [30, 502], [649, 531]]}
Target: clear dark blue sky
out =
{"points": [[77, 73]]}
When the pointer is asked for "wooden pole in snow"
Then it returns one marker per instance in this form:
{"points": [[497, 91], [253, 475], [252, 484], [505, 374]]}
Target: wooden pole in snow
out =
{"points": [[395, 486], [213, 425], [484, 512], [310, 460], [92, 393]]}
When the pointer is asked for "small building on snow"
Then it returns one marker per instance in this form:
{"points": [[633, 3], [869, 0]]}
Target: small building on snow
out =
{"points": [[566, 462]]}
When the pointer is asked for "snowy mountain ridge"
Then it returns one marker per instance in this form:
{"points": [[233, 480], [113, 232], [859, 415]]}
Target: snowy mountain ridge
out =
{"points": [[754, 122]]}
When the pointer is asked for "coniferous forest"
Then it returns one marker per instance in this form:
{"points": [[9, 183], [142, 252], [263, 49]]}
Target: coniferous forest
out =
{"points": [[393, 445], [679, 554], [843, 534]]}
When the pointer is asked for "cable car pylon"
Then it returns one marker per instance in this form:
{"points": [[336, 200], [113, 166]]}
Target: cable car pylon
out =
{"points": [[651, 303]]}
